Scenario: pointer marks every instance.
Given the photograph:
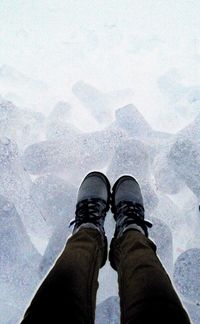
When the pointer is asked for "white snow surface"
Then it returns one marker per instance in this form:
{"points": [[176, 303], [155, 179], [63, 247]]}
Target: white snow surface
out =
{"points": [[100, 85]]}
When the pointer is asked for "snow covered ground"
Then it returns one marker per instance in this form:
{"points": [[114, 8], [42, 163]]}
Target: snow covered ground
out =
{"points": [[97, 85]]}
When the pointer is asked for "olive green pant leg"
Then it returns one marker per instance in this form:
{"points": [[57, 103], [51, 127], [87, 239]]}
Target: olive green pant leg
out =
{"points": [[68, 294], [146, 292]]}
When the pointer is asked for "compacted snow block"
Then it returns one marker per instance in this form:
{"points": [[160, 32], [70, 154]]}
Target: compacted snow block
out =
{"points": [[15, 186], [187, 274], [100, 104], [130, 119], [59, 123], [192, 130], [132, 157], [166, 179], [74, 157], [23, 126], [19, 275], [184, 158], [56, 200], [161, 234]]}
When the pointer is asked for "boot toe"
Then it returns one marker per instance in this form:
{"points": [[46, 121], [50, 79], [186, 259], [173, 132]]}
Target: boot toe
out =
{"points": [[127, 188], [94, 186]]}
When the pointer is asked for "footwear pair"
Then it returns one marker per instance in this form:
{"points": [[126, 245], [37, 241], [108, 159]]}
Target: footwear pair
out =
{"points": [[94, 200]]}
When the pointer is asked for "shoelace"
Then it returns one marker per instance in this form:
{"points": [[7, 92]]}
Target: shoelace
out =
{"points": [[132, 213], [87, 211]]}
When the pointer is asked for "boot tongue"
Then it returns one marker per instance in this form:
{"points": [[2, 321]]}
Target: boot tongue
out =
{"points": [[128, 213]]}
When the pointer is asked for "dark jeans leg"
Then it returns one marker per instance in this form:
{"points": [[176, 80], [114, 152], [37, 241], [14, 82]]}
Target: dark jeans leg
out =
{"points": [[68, 294], [146, 292]]}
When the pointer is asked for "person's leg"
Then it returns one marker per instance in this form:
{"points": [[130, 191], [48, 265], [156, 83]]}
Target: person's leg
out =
{"points": [[146, 292], [68, 294]]}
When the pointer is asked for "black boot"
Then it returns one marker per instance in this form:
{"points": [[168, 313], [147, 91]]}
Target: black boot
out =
{"points": [[127, 206], [92, 203]]}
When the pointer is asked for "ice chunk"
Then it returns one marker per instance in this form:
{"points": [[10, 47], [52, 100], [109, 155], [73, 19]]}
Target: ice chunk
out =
{"points": [[9, 313], [75, 157], [15, 243], [30, 128], [166, 179], [162, 236], [168, 212], [15, 186], [19, 258], [58, 122], [193, 311], [93, 99], [187, 274], [130, 119], [108, 311], [191, 131], [100, 104], [184, 158], [56, 199], [61, 112], [191, 215], [8, 114], [181, 218], [55, 246], [23, 126], [24, 90], [61, 130], [132, 157]]}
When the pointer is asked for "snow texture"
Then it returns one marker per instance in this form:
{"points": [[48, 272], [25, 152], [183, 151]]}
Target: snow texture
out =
{"points": [[111, 86]]}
